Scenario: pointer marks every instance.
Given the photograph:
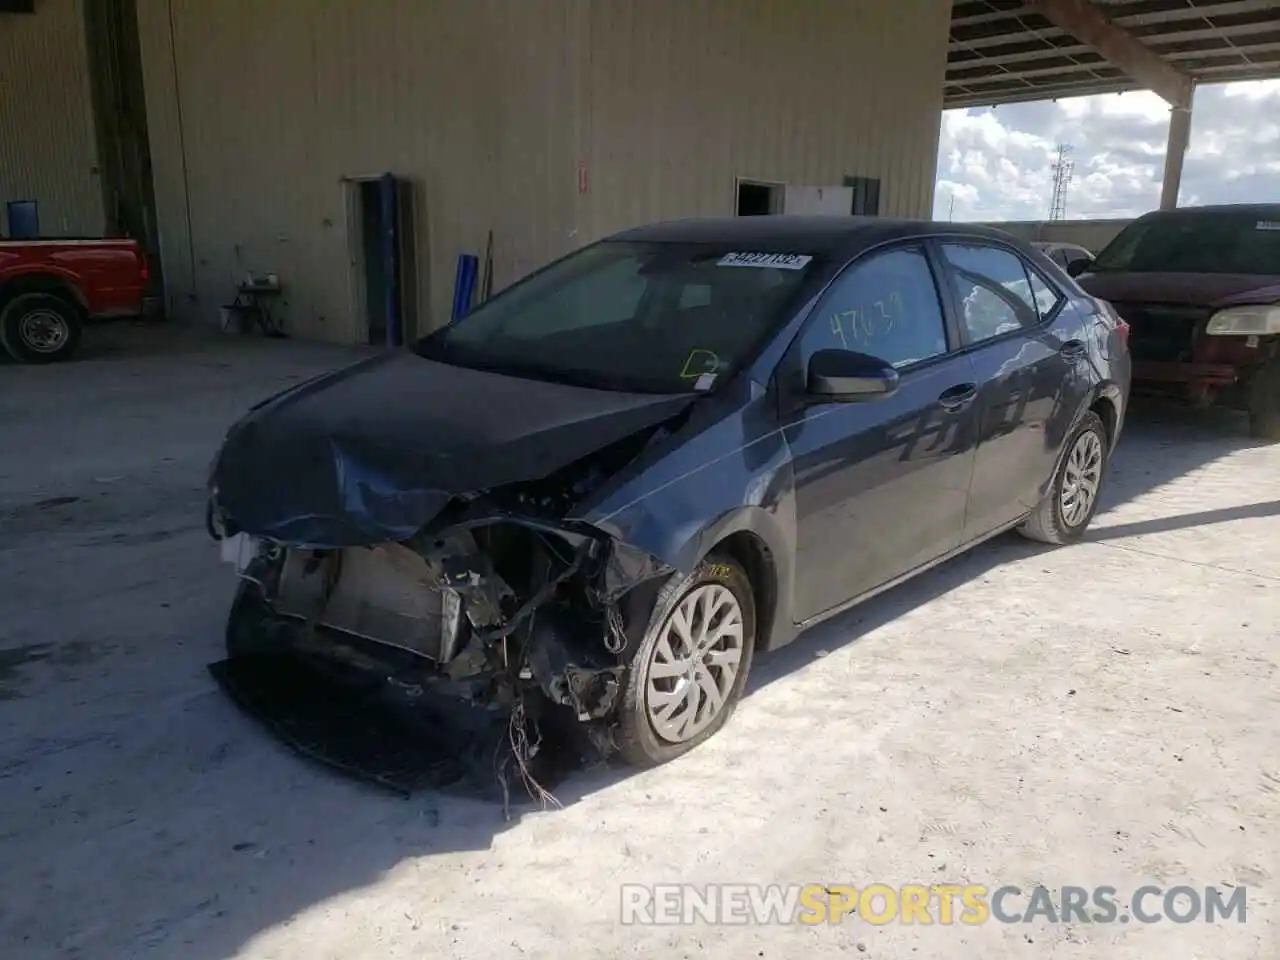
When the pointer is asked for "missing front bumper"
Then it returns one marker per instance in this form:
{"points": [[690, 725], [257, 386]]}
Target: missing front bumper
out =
{"points": [[345, 728], [473, 649]]}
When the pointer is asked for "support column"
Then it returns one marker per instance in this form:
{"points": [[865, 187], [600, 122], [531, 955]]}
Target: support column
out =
{"points": [[1175, 153]]}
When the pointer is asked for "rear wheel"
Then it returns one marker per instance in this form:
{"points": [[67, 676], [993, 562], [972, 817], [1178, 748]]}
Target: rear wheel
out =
{"points": [[1064, 514], [39, 328], [690, 669], [1264, 403]]}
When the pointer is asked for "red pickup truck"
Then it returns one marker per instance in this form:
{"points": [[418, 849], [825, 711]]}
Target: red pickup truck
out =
{"points": [[49, 288]]}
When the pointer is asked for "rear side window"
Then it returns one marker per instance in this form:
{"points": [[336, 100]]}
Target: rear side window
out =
{"points": [[1046, 296], [886, 306], [993, 290]]}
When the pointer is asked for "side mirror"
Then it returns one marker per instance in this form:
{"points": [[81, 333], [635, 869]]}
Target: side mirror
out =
{"points": [[1078, 266], [843, 376]]}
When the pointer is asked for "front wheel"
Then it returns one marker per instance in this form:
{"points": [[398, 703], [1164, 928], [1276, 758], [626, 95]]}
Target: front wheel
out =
{"points": [[1064, 514], [689, 670], [39, 328]]}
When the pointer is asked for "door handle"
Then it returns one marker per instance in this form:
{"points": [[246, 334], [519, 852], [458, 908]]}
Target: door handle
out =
{"points": [[1072, 349], [959, 396]]}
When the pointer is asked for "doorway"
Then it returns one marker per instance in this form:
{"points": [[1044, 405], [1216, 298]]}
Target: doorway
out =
{"points": [[757, 198], [120, 126], [381, 236]]}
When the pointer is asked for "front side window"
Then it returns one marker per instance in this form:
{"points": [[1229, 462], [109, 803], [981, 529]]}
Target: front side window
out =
{"points": [[993, 289], [642, 316], [886, 306]]}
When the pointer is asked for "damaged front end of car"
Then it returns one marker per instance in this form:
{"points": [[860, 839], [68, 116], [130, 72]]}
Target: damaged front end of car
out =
{"points": [[491, 645]]}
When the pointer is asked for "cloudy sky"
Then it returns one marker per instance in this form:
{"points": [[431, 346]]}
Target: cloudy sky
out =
{"points": [[995, 163]]}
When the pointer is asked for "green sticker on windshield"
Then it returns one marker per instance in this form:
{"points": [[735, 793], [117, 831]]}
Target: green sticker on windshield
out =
{"points": [[699, 362]]}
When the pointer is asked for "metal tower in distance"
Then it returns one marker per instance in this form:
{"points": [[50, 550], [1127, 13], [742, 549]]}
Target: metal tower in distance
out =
{"points": [[1063, 167]]}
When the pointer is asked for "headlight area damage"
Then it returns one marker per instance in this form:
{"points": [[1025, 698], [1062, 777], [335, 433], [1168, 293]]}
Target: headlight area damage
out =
{"points": [[489, 647]]}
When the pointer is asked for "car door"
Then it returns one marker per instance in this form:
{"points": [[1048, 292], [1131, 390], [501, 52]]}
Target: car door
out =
{"points": [[1025, 341], [880, 486]]}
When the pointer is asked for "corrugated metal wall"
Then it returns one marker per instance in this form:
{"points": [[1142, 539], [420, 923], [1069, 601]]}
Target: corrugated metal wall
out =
{"points": [[686, 95], [496, 108], [276, 102], [47, 142]]}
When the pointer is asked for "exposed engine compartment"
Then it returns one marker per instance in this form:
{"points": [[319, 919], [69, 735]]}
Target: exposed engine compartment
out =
{"points": [[498, 607], [483, 613]]}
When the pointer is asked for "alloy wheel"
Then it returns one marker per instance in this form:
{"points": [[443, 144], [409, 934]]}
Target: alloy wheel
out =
{"points": [[1081, 478], [691, 673]]}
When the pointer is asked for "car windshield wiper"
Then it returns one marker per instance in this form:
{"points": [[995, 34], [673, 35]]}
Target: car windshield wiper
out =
{"points": [[533, 371]]}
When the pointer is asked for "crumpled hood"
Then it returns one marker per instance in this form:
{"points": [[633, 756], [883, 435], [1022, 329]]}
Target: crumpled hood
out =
{"points": [[1189, 289], [373, 452]]}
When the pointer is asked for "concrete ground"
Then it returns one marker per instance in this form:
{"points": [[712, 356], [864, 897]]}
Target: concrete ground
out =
{"points": [[1103, 714]]}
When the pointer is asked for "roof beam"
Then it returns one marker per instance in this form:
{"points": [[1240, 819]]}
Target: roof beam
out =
{"points": [[1086, 23], [1141, 13], [956, 99]]}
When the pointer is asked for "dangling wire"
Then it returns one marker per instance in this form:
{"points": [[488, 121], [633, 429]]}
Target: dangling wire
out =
{"points": [[523, 750], [615, 638]]}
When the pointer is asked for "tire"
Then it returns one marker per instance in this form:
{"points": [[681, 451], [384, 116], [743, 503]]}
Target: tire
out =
{"points": [[644, 741], [40, 328], [1050, 522], [1264, 403]]}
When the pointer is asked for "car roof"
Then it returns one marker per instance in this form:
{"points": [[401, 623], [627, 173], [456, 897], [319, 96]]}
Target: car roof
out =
{"points": [[803, 234], [1265, 210]]}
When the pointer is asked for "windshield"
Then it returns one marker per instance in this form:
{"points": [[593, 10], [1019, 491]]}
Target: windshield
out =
{"points": [[1195, 243], [645, 317]]}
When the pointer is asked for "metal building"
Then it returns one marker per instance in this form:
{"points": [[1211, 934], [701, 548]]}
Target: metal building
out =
{"points": [[253, 136], [547, 122], [47, 144]]}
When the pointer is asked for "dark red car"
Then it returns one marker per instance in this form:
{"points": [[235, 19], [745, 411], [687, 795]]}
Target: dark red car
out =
{"points": [[48, 288], [1200, 290]]}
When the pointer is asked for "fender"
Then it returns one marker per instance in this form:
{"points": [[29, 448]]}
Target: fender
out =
{"points": [[668, 522], [1108, 390], [42, 278]]}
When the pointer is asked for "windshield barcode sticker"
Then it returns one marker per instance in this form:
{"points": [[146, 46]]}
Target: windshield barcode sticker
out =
{"points": [[778, 261], [1268, 225]]}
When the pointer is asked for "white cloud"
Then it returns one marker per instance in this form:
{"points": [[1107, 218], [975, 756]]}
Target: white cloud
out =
{"points": [[995, 164], [1258, 90]]}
